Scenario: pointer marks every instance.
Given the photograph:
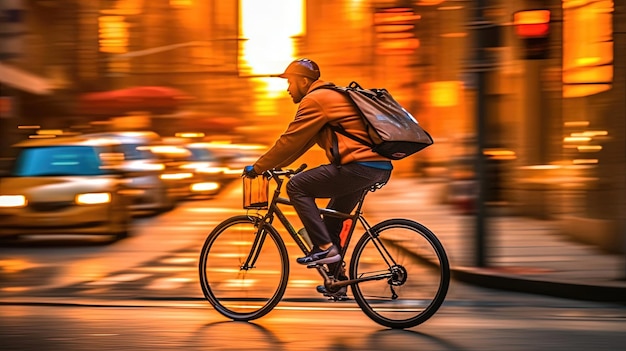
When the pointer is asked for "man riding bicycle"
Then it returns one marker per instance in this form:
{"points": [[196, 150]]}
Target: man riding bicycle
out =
{"points": [[353, 166]]}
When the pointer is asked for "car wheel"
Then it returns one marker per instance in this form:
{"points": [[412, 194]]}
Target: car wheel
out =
{"points": [[125, 232], [10, 238], [125, 222], [168, 201], [122, 235]]}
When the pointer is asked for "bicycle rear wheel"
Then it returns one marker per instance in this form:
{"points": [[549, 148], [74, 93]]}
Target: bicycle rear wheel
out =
{"points": [[419, 279], [236, 291]]}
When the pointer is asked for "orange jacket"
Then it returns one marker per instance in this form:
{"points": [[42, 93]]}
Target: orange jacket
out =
{"points": [[318, 108]]}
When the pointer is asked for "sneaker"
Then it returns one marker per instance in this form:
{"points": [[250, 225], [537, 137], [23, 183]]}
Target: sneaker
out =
{"points": [[318, 256], [339, 295]]}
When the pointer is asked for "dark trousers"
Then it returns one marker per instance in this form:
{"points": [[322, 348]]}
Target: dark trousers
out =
{"points": [[342, 185]]}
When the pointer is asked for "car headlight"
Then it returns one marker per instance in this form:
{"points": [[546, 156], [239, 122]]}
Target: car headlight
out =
{"points": [[233, 171], [207, 186], [176, 176], [150, 167], [93, 198], [13, 201], [210, 170]]}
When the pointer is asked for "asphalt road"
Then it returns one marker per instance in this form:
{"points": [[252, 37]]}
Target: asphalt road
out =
{"points": [[517, 323], [142, 293]]}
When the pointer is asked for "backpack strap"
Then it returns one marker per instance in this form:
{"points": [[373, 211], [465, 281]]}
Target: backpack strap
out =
{"points": [[339, 128], [334, 150]]}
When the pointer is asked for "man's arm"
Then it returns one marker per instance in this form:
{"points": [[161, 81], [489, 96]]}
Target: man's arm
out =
{"points": [[299, 137]]}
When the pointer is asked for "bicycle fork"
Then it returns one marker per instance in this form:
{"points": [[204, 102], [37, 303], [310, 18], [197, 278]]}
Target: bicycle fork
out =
{"points": [[257, 244]]}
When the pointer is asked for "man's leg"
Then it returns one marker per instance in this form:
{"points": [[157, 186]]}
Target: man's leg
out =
{"points": [[344, 189], [326, 181], [334, 226]]}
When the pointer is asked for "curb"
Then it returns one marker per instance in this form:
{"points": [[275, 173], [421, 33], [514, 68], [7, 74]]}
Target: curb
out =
{"points": [[568, 290]]}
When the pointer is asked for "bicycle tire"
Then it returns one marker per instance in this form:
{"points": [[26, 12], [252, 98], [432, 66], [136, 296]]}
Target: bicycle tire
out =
{"points": [[421, 284], [237, 293]]}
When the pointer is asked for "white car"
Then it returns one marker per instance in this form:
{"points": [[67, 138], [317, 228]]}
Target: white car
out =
{"points": [[150, 193], [231, 158]]}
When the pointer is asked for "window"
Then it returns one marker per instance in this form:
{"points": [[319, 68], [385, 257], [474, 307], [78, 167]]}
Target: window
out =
{"points": [[58, 161], [587, 47]]}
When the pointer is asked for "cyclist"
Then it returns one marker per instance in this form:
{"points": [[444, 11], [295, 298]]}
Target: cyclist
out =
{"points": [[353, 166]]}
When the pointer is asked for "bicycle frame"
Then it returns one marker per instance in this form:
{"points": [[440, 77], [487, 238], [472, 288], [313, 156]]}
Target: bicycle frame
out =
{"points": [[274, 211]]}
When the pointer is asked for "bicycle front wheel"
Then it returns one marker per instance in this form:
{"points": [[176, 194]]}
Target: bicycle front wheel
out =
{"points": [[243, 272], [415, 268]]}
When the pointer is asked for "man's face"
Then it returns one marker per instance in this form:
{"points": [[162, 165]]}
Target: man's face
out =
{"points": [[297, 88]]}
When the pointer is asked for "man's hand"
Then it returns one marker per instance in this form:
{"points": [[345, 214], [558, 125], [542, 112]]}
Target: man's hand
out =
{"points": [[248, 171]]}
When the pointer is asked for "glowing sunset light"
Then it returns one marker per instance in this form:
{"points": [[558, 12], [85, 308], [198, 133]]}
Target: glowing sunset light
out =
{"points": [[268, 29]]}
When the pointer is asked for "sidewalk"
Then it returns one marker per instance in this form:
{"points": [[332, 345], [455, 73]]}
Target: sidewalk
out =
{"points": [[522, 254]]}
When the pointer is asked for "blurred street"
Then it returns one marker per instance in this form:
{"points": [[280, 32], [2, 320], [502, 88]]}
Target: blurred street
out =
{"points": [[143, 292], [125, 126]]}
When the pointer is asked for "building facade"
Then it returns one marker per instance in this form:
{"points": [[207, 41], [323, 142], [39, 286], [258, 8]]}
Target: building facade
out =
{"points": [[555, 124]]}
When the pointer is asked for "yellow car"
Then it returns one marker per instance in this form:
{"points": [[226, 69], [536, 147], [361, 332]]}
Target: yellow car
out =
{"points": [[66, 185]]}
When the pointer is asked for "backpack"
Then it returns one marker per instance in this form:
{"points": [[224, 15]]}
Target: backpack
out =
{"points": [[392, 130]]}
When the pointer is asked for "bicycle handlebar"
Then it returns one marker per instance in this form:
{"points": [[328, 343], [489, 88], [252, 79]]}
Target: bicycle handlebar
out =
{"points": [[286, 172]]}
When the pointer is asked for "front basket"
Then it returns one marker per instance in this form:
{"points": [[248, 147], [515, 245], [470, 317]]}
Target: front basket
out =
{"points": [[255, 193]]}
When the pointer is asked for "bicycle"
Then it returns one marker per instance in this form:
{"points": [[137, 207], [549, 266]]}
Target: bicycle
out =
{"points": [[398, 271]]}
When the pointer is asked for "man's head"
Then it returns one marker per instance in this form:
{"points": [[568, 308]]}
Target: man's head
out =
{"points": [[300, 74]]}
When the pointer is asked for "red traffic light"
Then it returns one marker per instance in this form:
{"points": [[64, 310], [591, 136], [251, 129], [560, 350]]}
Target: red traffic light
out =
{"points": [[532, 23]]}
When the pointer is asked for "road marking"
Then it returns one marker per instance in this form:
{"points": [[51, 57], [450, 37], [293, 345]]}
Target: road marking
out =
{"points": [[168, 283], [119, 278]]}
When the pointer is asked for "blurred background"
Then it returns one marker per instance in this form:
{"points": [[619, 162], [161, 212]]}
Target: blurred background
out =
{"points": [[533, 89]]}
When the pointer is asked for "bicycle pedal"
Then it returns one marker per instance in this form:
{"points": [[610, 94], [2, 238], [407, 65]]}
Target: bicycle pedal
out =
{"points": [[334, 297]]}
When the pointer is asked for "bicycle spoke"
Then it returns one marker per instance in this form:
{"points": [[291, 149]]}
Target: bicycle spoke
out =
{"points": [[235, 290], [418, 280]]}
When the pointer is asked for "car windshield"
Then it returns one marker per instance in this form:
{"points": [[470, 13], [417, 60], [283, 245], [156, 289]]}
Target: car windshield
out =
{"points": [[200, 154], [136, 152], [58, 161]]}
